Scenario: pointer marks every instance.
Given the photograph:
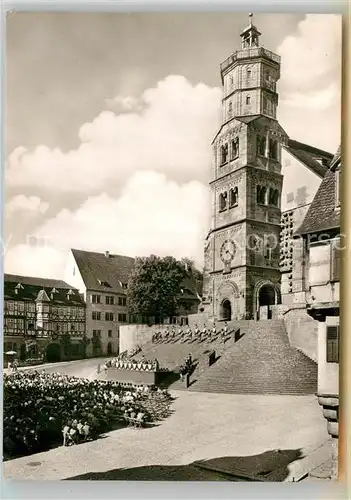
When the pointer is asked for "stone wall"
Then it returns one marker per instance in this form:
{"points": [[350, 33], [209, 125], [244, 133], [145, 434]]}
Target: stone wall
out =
{"points": [[132, 335], [302, 331], [198, 319]]}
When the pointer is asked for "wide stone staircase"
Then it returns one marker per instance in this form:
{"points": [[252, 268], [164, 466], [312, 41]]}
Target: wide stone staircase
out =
{"points": [[171, 354], [259, 360]]}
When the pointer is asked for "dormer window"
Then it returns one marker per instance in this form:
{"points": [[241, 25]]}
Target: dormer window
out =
{"points": [[18, 287], [54, 291], [69, 293], [104, 283]]}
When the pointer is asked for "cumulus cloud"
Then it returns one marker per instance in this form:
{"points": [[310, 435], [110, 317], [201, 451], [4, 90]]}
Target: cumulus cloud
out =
{"points": [[310, 85], [125, 103], [311, 58], [172, 134], [26, 205], [152, 215], [156, 150]]}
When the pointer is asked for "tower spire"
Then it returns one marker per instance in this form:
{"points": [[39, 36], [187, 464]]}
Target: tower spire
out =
{"points": [[250, 36]]}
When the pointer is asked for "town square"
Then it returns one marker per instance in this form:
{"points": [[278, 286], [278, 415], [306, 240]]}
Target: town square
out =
{"points": [[172, 253]]}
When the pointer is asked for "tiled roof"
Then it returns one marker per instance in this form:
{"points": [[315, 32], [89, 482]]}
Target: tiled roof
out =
{"points": [[309, 156], [31, 280], [35, 288], [102, 272], [248, 119], [99, 270], [321, 215]]}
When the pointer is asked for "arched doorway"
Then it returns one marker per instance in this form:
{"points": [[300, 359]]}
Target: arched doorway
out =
{"points": [[226, 310], [227, 302], [267, 297], [109, 348], [53, 353]]}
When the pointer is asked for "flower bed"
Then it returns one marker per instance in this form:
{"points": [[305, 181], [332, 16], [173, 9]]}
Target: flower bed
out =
{"points": [[43, 410]]}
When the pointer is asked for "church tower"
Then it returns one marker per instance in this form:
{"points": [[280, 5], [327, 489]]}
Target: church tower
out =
{"points": [[242, 251]]}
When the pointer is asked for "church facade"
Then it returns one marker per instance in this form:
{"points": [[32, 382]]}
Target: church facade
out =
{"points": [[249, 250]]}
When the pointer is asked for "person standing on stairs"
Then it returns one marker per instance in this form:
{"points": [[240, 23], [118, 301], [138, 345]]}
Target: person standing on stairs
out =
{"points": [[224, 331], [204, 332], [214, 331]]}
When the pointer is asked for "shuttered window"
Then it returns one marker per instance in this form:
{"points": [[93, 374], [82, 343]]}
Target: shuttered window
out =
{"points": [[333, 344], [335, 261]]}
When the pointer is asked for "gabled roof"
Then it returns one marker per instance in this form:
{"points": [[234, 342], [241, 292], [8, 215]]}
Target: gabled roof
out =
{"points": [[322, 216], [191, 289], [32, 280], [105, 272], [40, 288], [42, 296], [317, 160]]}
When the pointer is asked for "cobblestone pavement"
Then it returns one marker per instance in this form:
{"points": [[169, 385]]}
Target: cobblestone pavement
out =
{"points": [[85, 368], [203, 427]]}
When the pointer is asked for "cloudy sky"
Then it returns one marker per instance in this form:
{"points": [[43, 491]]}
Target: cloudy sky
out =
{"points": [[109, 120]]}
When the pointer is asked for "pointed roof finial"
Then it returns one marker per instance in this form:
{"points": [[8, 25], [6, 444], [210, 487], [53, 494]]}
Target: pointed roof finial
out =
{"points": [[250, 18]]}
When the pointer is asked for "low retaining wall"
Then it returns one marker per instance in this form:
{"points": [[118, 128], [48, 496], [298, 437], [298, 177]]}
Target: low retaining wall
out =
{"points": [[302, 331], [131, 336], [138, 377]]}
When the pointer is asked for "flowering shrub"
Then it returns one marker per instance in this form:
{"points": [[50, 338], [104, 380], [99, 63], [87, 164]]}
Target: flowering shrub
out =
{"points": [[42, 410]]}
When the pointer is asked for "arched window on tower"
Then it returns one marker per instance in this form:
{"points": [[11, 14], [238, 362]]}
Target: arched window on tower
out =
{"points": [[273, 197], [273, 149], [231, 80], [261, 195], [234, 148], [248, 99], [224, 154], [222, 202], [233, 197], [261, 145], [230, 109], [248, 74], [246, 41]]}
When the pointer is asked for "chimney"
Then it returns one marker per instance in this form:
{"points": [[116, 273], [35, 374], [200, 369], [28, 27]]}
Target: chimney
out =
{"points": [[107, 253]]}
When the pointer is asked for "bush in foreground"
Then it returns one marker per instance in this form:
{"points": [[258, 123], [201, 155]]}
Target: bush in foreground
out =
{"points": [[42, 410]]}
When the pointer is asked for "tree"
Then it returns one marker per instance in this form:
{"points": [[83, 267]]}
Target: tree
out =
{"points": [[154, 287], [193, 273]]}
